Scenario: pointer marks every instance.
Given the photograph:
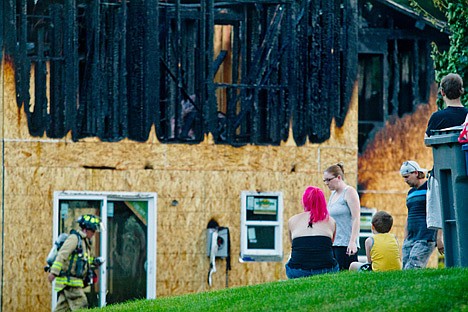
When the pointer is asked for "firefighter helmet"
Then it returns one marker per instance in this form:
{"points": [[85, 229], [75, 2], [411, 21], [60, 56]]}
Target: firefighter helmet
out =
{"points": [[89, 222]]}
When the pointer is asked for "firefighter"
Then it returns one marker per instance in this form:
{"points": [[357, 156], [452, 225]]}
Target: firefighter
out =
{"points": [[73, 266]]}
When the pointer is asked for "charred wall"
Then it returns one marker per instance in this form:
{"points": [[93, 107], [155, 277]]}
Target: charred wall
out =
{"points": [[118, 68], [395, 70]]}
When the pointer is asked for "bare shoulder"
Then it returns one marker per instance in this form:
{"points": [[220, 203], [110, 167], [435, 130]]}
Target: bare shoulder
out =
{"points": [[297, 217], [351, 196], [351, 191]]}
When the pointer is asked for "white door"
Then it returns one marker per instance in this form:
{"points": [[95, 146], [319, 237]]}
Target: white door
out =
{"points": [[127, 242]]}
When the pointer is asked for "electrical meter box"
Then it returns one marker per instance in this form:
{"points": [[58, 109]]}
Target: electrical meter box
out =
{"points": [[261, 226], [222, 242]]}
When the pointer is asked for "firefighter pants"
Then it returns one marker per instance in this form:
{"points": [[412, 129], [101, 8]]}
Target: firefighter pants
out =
{"points": [[71, 299]]}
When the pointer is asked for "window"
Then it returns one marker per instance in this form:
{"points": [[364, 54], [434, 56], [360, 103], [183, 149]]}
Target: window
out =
{"points": [[394, 78], [366, 231], [261, 226], [371, 95]]}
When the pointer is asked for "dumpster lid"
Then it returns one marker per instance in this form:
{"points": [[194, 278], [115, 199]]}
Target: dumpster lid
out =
{"points": [[448, 130], [444, 136]]}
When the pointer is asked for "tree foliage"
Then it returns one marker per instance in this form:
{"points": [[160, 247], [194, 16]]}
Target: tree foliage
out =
{"points": [[455, 59]]}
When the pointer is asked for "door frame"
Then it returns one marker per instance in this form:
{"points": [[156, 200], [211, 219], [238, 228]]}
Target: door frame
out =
{"points": [[104, 197]]}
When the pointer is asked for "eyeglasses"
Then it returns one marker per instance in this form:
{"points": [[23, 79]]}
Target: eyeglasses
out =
{"points": [[328, 180], [406, 176]]}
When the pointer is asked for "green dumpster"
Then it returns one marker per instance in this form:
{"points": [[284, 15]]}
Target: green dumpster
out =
{"points": [[450, 170]]}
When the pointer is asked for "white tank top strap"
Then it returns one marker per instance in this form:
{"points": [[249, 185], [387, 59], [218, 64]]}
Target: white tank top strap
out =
{"points": [[344, 193], [345, 189]]}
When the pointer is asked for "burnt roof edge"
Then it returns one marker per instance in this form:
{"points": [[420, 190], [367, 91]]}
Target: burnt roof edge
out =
{"points": [[438, 24]]}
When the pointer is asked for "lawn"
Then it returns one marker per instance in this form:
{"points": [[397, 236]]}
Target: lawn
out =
{"points": [[415, 290]]}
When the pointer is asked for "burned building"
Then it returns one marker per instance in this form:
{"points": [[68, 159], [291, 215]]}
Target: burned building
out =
{"points": [[163, 115]]}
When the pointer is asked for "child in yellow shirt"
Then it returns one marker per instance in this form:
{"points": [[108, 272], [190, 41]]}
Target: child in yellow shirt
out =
{"points": [[382, 249]]}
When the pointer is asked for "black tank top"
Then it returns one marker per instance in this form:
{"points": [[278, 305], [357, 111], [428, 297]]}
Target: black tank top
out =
{"points": [[312, 253]]}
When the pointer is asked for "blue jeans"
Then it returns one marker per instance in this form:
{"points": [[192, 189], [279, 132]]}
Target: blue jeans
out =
{"points": [[416, 253], [297, 273]]}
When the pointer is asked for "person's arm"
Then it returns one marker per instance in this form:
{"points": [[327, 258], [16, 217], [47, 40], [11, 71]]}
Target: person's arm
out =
{"points": [[429, 127], [334, 230], [405, 235], [425, 137], [440, 242], [354, 205], [51, 277], [399, 249], [369, 244]]}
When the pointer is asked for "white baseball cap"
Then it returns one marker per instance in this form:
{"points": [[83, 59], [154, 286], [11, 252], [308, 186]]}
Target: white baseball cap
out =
{"points": [[411, 166]]}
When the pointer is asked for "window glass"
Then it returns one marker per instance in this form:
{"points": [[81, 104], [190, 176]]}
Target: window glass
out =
{"points": [[365, 231], [262, 208], [261, 237], [371, 105]]}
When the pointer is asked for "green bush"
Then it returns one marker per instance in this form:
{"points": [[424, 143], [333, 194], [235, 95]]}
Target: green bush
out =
{"points": [[455, 59]]}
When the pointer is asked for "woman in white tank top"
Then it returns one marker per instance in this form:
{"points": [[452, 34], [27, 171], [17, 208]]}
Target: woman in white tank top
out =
{"points": [[344, 206]]}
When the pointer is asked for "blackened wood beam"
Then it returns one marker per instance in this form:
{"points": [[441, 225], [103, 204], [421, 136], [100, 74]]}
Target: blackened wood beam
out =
{"points": [[70, 51], [415, 74], [219, 60], [38, 120], [396, 78], [56, 127]]}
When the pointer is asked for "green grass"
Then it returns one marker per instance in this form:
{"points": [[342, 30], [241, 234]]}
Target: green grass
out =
{"points": [[415, 290]]}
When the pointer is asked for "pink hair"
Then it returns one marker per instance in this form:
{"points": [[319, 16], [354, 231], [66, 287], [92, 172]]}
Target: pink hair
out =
{"points": [[313, 201]]}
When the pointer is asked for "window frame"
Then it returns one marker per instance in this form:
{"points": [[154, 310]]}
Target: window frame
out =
{"points": [[261, 255], [104, 197]]}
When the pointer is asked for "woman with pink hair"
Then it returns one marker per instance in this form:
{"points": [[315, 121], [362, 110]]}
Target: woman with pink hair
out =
{"points": [[312, 233]]}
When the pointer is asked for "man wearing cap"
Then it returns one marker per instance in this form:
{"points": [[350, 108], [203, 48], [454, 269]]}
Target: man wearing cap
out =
{"points": [[419, 242]]}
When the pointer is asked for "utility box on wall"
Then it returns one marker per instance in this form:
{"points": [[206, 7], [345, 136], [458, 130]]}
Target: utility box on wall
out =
{"points": [[261, 226], [222, 242]]}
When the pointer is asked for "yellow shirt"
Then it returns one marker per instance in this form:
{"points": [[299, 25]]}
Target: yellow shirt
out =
{"points": [[385, 253]]}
